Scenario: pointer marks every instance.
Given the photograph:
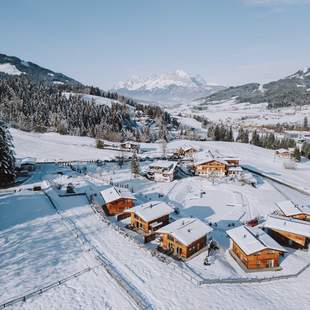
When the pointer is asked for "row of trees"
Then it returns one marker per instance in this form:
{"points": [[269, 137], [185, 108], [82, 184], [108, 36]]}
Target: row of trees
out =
{"points": [[36, 105], [221, 133]]}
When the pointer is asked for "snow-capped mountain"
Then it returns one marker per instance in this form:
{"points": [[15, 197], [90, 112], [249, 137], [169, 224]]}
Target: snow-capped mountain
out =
{"points": [[10, 66], [176, 86]]}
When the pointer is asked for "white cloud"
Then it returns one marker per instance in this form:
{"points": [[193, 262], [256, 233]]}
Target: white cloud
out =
{"points": [[276, 2]]}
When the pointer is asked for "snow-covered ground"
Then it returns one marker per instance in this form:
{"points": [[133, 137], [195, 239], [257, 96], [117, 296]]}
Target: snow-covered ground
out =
{"points": [[52, 146], [38, 247], [245, 114]]}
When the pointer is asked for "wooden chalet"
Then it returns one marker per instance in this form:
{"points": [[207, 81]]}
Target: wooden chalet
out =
{"points": [[116, 200], [210, 166], [185, 237], [150, 216], [288, 231], [162, 171], [130, 146], [185, 151], [288, 209], [285, 153], [253, 249]]}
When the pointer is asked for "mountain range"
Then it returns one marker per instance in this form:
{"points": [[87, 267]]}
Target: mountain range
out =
{"points": [[166, 88], [291, 90], [10, 65]]}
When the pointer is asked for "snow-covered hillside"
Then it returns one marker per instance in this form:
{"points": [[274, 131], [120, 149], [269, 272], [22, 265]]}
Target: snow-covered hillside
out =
{"points": [[10, 65], [176, 86], [10, 69], [232, 112]]}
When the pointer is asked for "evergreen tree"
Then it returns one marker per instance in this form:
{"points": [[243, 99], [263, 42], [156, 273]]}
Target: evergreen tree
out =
{"points": [[296, 154], [306, 123], [7, 158], [255, 139], [135, 165], [305, 150]]}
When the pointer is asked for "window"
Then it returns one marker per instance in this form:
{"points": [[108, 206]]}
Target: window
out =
{"points": [[170, 238]]}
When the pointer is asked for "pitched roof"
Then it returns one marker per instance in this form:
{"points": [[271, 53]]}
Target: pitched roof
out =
{"points": [[112, 194], [288, 208], [288, 224], [165, 164], [253, 239], [151, 210], [186, 230]]}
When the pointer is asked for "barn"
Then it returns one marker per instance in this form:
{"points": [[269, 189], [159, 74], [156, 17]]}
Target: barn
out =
{"points": [[289, 209], [288, 231], [185, 237], [253, 249], [150, 216], [116, 200]]}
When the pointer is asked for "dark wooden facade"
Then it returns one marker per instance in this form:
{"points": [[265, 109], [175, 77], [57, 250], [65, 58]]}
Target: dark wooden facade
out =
{"points": [[289, 239]]}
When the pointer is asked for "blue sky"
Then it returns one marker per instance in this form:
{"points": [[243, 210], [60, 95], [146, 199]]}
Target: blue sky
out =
{"points": [[101, 42]]}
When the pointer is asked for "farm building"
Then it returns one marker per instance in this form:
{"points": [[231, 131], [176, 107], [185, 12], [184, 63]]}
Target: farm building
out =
{"points": [[185, 151], [185, 237], [150, 216], [116, 200], [130, 146], [162, 171], [253, 249], [288, 231], [288, 209], [285, 153]]}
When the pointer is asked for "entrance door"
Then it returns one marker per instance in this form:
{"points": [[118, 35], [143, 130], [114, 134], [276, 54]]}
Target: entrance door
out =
{"points": [[270, 263], [179, 251]]}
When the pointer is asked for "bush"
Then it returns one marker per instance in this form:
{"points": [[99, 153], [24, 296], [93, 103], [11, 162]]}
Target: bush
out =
{"points": [[99, 144]]}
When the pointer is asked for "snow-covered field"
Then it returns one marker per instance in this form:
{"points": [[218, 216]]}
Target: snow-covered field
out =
{"points": [[52, 146], [39, 247], [244, 114]]}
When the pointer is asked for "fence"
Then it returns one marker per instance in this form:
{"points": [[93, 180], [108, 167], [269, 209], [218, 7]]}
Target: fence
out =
{"points": [[128, 287], [45, 288]]}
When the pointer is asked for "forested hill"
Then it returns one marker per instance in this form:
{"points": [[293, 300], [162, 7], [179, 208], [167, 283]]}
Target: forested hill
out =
{"points": [[37, 105], [14, 66], [293, 90]]}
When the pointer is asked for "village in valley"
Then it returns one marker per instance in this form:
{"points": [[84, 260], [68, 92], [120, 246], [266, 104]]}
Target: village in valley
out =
{"points": [[204, 212], [155, 155]]}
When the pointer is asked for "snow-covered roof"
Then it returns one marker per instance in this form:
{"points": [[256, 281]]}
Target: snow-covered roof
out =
{"points": [[282, 150], [289, 209], [238, 169], [25, 161], [151, 210], [112, 194], [208, 160], [165, 164], [186, 147], [130, 143], [252, 240], [186, 230], [290, 225]]}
